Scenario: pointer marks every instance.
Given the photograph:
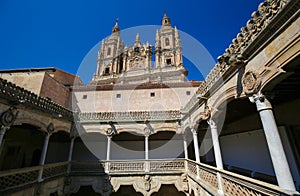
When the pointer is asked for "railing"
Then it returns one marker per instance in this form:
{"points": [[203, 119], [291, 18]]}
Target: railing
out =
{"points": [[257, 31], [24, 176], [129, 116], [205, 175], [15, 93]]}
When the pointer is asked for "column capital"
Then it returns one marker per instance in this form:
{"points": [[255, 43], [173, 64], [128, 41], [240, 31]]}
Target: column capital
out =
{"points": [[4, 129], [212, 123], [261, 102], [194, 131]]}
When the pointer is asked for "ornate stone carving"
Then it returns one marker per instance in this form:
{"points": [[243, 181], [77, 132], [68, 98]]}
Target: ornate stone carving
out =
{"points": [[8, 117], [147, 182], [50, 128], [251, 82], [184, 182], [110, 132], [206, 114]]}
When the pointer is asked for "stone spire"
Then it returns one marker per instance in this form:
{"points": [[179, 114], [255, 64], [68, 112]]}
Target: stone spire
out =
{"points": [[157, 39], [166, 20], [116, 27], [177, 38], [137, 42]]}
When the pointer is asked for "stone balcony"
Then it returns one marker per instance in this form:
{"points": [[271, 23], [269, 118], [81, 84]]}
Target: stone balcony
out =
{"points": [[186, 175]]}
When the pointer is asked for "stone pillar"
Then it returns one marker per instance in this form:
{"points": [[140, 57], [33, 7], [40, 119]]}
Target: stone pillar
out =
{"points": [[280, 164], [185, 146], [196, 145], [216, 144], [147, 152], [43, 156], [146, 147], [2, 133], [108, 154], [70, 154]]}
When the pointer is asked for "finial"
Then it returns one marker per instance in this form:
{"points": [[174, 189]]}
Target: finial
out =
{"points": [[116, 27], [137, 37]]}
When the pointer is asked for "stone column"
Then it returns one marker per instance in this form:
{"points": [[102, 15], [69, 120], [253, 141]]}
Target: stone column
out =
{"points": [[196, 145], [217, 152], [279, 160], [43, 156], [108, 153], [70, 154], [2, 133], [216, 144], [185, 146], [147, 152]]}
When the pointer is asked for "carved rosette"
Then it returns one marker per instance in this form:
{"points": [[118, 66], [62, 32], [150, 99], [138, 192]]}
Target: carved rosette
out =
{"points": [[251, 82], [206, 114], [8, 117]]}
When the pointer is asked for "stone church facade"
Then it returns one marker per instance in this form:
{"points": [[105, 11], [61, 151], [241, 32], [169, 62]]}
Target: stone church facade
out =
{"points": [[141, 128]]}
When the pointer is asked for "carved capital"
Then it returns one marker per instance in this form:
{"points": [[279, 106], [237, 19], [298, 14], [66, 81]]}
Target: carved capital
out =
{"points": [[110, 132], [50, 128], [251, 82]]}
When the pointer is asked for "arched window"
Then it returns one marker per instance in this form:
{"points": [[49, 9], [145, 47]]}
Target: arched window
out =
{"points": [[167, 42], [108, 51]]}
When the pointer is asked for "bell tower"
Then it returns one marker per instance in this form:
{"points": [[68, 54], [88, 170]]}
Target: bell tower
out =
{"points": [[168, 50], [109, 62]]}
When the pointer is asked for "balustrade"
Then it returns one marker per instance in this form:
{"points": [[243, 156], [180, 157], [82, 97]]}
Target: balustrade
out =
{"points": [[233, 184]]}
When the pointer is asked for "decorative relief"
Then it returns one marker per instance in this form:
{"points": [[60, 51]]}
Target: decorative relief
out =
{"points": [[206, 114], [131, 116], [8, 117], [251, 82], [50, 128]]}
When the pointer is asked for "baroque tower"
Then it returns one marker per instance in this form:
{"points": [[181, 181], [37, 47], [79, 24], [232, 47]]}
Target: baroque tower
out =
{"points": [[168, 50], [117, 63]]}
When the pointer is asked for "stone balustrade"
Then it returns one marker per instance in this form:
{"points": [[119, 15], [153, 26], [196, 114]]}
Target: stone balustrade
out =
{"points": [[130, 116], [18, 95], [204, 175]]}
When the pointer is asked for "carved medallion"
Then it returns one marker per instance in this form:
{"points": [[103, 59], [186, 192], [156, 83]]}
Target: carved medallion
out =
{"points": [[251, 82], [8, 117], [206, 114]]}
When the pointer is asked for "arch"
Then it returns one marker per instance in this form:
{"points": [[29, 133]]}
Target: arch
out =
{"points": [[20, 145], [58, 147], [41, 126]]}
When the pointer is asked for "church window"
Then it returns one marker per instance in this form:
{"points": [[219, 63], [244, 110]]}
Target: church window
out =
{"points": [[188, 93], [108, 51], [168, 61], [106, 70], [152, 94], [137, 49], [167, 41], [118, 96]]}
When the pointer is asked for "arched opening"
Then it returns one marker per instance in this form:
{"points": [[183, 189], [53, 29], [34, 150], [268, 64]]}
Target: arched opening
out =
{"points": [[21, 147], [58, 147], [87, 191], [243, 143], [167, 41], [284, 95], [126, 190], [90, 146], [165, 144], [168, 189], [128, 145]]}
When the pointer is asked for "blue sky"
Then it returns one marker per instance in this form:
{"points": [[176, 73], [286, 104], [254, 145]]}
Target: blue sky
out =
{"points": [[58, 33]]}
